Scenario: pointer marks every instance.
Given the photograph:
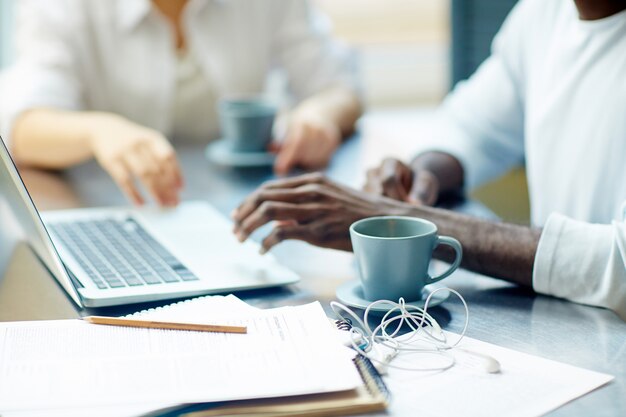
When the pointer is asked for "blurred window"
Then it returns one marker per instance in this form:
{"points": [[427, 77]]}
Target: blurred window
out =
{"points": [[403, 47], [6, 31], [474, 24]]}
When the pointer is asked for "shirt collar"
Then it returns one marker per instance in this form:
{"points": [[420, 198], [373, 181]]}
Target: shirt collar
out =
{"points": [[131, 12]]}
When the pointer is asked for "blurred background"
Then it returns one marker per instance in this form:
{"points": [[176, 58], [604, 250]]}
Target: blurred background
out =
{"points": [[411, 53], [6, 29]]}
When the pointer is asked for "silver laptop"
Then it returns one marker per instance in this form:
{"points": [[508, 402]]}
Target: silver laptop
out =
{"points": [[113, 256]]}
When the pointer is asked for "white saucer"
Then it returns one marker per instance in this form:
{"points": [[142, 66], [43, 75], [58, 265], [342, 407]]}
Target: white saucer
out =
{"points": [[220, 152], [350, 293]]}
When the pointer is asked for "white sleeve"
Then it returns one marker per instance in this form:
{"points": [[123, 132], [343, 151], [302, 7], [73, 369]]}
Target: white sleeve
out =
{"points": [[582, 262], [481, 122], [304, 47], [45, 73]]}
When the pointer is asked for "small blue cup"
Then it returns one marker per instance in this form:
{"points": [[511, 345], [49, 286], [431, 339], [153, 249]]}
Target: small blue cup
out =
{"points": [[393, 254], [247, 123]]}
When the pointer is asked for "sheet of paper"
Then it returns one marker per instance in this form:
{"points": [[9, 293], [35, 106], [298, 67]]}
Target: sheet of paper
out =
{"points": [[287, 351], [526, 386]]}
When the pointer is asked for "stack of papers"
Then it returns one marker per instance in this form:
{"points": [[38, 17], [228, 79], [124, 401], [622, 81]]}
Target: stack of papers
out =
{"points": [[73, 364]]}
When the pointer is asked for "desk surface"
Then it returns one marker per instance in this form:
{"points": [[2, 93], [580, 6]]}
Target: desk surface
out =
{"points": [[500, 313]]}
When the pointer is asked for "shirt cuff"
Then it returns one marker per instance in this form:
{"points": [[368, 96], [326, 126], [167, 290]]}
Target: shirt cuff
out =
{"points": [[582, 262]]}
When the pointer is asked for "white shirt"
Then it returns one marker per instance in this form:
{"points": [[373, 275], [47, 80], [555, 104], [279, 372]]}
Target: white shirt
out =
{"points": [[553, 95], [119, 55], [194, 108]]}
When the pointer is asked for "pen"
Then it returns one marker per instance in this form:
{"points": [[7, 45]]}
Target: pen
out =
{"points": [[116, 321]]}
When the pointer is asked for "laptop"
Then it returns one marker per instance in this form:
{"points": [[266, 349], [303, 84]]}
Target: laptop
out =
{"points": [[113, 256]]}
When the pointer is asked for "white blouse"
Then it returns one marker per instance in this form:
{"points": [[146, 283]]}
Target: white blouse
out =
{"points": [[120, 56], [194, 113]]}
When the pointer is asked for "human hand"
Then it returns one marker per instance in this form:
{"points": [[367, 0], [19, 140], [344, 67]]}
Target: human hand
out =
{"points": [[397, 180], [130, 152], [310, 208], [310, 141]]}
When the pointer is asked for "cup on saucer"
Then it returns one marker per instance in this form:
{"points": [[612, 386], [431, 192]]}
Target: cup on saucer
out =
{"points": [[246, 123], [351, 294], [393, 254]]}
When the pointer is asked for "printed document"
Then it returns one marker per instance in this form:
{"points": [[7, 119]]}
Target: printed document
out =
{"points": [[56, 364]]}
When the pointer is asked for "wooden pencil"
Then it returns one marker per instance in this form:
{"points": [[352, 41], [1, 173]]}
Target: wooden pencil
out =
{"points": [[116, 321]]}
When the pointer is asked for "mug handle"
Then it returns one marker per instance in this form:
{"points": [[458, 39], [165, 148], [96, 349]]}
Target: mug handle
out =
{"points": [[456, 245]]}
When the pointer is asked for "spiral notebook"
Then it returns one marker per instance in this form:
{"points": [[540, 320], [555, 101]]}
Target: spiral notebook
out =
{"points": [[371, 396]]}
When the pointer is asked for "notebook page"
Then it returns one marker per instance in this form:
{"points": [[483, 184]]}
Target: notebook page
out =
{"points": [[287, 351], [211, 309]]}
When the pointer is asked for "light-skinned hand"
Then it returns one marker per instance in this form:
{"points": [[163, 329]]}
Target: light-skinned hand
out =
{"points": [[310, 141], [133, 154]]}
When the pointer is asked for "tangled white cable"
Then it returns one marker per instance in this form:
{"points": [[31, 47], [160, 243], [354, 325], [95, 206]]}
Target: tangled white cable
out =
{"points": [[425, 335]]}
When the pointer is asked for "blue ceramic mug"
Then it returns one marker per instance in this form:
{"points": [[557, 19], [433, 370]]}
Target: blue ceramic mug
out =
{"points": [[246, 123], [393, 254]]}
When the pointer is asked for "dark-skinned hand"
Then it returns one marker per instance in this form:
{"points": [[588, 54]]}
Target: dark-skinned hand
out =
{"points": [[395, 179], [310, 208]]}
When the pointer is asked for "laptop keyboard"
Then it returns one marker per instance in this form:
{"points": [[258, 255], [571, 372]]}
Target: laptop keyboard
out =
{"points": [[120, 253]]}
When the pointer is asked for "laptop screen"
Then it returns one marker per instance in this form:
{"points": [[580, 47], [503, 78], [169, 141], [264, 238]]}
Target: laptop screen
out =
{"points": [[20, 221]]}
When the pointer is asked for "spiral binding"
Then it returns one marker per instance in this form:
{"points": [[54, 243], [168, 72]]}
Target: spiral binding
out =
{"points": [[345, 324], [372, 378]]}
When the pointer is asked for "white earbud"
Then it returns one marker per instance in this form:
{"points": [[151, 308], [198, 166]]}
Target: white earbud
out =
{"points": [[491, 365], [481, 361]]}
